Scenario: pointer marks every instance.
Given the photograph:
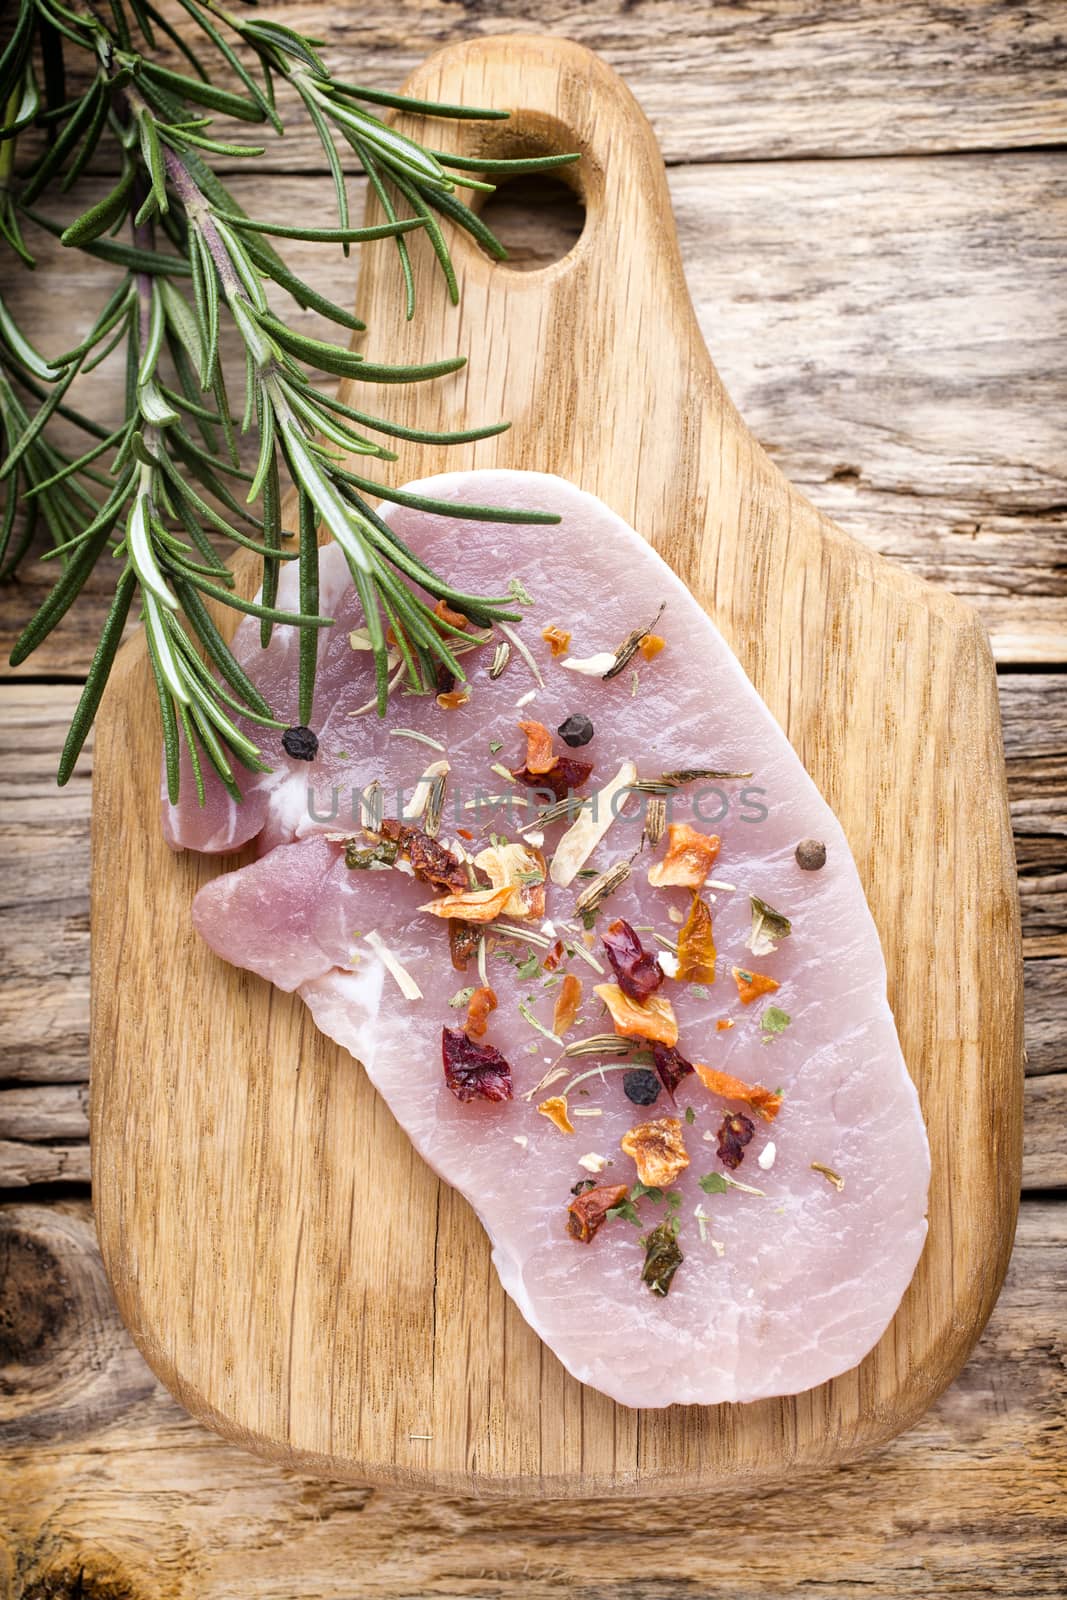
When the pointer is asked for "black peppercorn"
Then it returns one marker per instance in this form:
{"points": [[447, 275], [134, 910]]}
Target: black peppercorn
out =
{"points": [[811, 855], [300, 743], [576, 731], [641, 1086]]}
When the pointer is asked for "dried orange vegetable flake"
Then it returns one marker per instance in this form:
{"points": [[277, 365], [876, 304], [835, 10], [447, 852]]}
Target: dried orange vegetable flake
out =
{"points": [[557, 639], [567, 1002], [540, 757], [481, 1003], [722, 1024], [474, 905], [764, 1101], [643, 1019], [453, 699], [750, 985], [658, 1150], [690, 857], [443, 610], [555, 1109], [696, 945], [651, 645]]}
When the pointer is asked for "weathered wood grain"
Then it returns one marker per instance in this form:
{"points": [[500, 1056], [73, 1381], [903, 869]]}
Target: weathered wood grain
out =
{"points": [[1045, 1152], [892, 331], [44, 1112], [44, 902], [25, 1165], [784, 78], [102, 1475]]}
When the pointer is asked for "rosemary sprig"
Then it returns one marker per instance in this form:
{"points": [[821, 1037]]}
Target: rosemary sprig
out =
{"points": [[161, 492]]}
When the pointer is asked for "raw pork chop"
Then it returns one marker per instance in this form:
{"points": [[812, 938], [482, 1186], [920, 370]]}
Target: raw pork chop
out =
{"points": [[777, 1290]]}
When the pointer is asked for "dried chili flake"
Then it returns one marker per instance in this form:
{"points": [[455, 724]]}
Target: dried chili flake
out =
{"points": [[689, 857], [465, 833], [651, 645], [474, 1071], [540, 757], [734, 1133], [567, 1002], [588, 1210], [638, 972], [554, 956], [671, 1066], [696, 945], [750, 985], [658, 1151], [557, 639], [663, 1257], [452, 699], [463, 941], [482, 1002], [431, 862], [767, 1102], [567, 774], [723, 1024], [642, 1019]]}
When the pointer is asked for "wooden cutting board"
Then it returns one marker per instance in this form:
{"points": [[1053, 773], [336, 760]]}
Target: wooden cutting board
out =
{"points": [[285, 1261]]}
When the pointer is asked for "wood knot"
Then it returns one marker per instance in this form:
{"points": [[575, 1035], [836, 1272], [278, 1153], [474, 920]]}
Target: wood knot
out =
{"points": [[35, 1306], [67, 1366], [76, 1583]]}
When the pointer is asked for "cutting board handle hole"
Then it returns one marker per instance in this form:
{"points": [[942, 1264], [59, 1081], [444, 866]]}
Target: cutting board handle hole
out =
{"points": [[538, 218], [541, 216]]}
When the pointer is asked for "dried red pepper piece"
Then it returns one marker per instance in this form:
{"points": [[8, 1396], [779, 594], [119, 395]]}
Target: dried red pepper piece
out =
{"points": [[587, 1211], [430, 861], [554, 956], [671, 1066], [567, 774], [638, 972], [733, 1135], [474, 1071]]}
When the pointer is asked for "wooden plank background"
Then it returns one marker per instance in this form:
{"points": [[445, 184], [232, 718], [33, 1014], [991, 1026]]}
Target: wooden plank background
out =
{"points": [[872, 202]]}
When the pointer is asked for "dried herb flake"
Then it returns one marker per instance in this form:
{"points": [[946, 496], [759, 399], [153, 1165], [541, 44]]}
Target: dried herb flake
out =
{"points": [[663, 1257], [769, 927]]}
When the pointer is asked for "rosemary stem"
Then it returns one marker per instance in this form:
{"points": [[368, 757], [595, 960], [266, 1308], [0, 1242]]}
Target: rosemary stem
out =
{"points": [[198, 211]]}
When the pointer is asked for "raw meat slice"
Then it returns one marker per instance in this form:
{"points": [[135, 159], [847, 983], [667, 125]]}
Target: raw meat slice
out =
{"points": [[777, 1291]]}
